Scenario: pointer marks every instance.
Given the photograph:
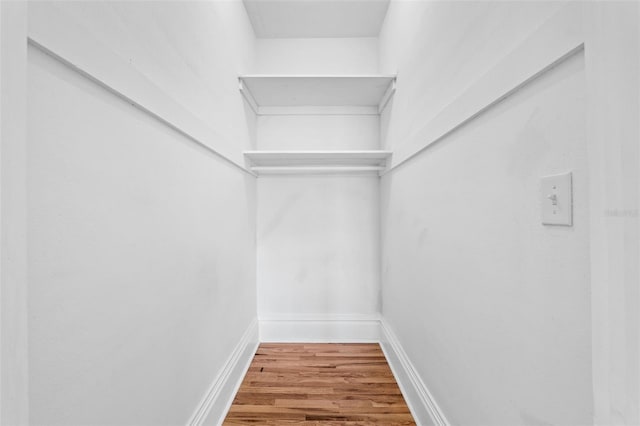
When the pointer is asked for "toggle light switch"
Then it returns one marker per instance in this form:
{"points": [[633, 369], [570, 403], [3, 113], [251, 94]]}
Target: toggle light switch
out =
{"points": [[556, 196]]}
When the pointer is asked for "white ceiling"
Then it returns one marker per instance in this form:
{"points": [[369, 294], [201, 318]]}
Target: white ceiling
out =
{"points": [[316, 18]]}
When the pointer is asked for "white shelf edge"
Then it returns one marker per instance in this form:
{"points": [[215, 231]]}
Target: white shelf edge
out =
{"points": [[315, 169], [317, 162], [256, 157], [317, 110], [341, 108], [318, 152], [391, 76]]}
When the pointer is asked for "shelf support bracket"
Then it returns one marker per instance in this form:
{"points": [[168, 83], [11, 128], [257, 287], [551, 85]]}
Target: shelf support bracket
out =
{"points": [[246, 94], [387, 96]]}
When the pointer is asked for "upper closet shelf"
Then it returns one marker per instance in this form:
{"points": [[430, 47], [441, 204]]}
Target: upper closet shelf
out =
{"points": [[270, 94], [317, 162]]}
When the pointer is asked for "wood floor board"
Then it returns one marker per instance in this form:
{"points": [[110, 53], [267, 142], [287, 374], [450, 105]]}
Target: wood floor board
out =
{"points": [[324, 384]]}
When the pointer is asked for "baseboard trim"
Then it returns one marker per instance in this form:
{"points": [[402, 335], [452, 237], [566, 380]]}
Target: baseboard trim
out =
{"points": [[423, 406], [216, 402], [320, 329]]}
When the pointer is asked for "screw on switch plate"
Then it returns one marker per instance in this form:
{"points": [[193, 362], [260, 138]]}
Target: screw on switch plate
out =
{"points": [[556, 199]]}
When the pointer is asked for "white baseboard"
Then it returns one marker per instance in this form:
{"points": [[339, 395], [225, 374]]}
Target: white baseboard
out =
{"points": [[423, 407], [320, 329], [216, 402]]}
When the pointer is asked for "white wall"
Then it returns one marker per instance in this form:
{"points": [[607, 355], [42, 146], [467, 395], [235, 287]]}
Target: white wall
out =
{"points": [[439, 51], [193, 51], [141, 242], [318, 236], [14, 375], [318, 132], [316, 56], [613, 65], [491, 307], [318, 246]]}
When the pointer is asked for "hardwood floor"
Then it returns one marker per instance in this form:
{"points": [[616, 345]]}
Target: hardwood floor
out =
{"points": [[319, 384]]}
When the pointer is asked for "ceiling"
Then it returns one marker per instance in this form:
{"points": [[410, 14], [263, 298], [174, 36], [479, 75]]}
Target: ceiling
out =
{"points": [[316, 18]]}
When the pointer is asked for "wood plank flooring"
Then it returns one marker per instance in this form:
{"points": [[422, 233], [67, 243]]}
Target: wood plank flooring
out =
{"points": [[319, 384]]}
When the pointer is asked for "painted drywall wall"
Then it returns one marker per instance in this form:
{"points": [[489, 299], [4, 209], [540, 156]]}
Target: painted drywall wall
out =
{"points": [[172, 44], [317, 246], [318, 236], [318, 132], [316, 56], [141, 242], [437, 59], [14, 376], [613, 62], [491, 307]]}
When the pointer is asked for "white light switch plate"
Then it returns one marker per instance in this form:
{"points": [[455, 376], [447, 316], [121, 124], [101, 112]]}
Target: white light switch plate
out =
{"points": [[556, 198]]}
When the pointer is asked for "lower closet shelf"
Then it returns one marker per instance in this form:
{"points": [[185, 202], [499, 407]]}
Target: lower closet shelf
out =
{"points": [[317, 162]]}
